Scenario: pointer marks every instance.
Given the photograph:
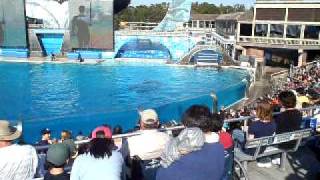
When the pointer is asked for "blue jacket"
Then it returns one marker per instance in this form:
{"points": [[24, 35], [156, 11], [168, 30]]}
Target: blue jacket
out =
{"points": [[205, 164]]}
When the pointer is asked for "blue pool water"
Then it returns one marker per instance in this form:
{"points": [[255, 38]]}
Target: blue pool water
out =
{"points": [[80, 97]]}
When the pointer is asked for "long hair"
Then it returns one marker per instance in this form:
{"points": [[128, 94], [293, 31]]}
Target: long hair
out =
{"points": [[264, 111], [101, 147]]}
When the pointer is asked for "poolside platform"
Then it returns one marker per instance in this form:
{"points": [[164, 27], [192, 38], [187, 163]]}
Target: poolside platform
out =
{"points": [[301, 165], [40, 60]]}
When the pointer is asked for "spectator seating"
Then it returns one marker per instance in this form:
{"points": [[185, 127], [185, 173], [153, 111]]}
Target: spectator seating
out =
{"points": [[270, 142]]}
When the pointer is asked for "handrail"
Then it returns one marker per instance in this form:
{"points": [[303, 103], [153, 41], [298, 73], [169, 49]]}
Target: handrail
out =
{"points": [[246, 118], [214, 102], [116, 136]]}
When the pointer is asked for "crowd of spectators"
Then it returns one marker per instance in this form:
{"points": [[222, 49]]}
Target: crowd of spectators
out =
{"points": [[194, 153], [200, 151]]}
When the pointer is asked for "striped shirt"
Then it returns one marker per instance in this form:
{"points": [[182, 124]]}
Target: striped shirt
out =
{"points": [[18, 162]]}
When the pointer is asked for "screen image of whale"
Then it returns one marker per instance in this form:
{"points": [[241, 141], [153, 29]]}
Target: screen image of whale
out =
{"points": [[91, 24], [12, 24]]}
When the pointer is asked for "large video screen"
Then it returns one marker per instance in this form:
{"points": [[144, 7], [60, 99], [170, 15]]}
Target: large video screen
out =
{"points": [[48, 14], [12, 23], [91, 24]]}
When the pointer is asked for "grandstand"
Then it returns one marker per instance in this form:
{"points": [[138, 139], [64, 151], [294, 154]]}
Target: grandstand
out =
{"points": [[218, 139]]}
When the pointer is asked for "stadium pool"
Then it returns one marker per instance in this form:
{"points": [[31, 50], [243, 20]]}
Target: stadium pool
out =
{"points": [[80, 97]]}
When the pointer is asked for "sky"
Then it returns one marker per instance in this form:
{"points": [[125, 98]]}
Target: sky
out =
{"points": [[225, 2]]}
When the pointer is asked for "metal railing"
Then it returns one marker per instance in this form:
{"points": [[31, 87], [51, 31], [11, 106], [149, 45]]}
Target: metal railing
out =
{"points": [[170, 129], [279, 41]]}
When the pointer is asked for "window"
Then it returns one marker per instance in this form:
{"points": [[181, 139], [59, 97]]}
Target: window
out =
{"points": [[276, 30], [201, 24], [245, 29], [213, 24], [293, 31], [261, 30], [194, 24], [207, 24], [311, 32]]}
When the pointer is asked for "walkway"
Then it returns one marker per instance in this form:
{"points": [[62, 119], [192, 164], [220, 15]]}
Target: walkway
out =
{"points": [[300, 165]]}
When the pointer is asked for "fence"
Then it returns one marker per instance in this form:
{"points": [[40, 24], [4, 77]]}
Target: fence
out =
{"points": [[310, 110]]}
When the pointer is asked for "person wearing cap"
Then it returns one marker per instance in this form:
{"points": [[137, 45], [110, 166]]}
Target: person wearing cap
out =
{"points": [[150, 143], [57, 157], [16, 161], [102, 161], [46, 137]]}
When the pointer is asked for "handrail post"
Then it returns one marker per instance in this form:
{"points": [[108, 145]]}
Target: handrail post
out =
{"points": [[214, 102]]}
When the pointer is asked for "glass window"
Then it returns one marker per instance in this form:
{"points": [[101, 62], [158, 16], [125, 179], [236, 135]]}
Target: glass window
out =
{"points": [[261, 30], [311, 32], [201, 24], [208, 24], [213, 24], [245, 29], [276, 30], [194, 24], [293, 31]]}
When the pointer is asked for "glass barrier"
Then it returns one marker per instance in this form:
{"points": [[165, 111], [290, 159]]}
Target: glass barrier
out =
{"points": [[127, 119]]}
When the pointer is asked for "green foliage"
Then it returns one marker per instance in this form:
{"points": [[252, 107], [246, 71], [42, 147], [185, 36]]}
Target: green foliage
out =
{"points": [[206, 8]]}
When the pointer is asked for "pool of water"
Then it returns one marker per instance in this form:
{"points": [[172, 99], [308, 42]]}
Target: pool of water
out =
{"points": [[80, 97]]}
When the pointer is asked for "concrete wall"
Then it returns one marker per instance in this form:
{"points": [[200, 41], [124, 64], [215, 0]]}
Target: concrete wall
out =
{"points": [[255, 52]]}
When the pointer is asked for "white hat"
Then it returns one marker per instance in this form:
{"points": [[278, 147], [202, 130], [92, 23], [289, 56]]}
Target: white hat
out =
{"points": [[149, 116], [7, 132]]}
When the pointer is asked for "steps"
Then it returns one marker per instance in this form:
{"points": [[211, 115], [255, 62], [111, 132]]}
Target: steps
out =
{"points": [[202, 56]]}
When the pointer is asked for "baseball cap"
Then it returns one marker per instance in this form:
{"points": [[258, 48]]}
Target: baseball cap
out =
{"points": [[58, 154], [149, 116], [45, 131], [106, 131]]}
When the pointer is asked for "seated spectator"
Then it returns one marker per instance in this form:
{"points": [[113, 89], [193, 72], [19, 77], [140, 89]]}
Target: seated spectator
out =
{"points": [[203, 121], [57, 157], [117, 130], [226, 140], [147, 146], [301, 98], [46, 137], [72, 148], [290, 119], [189, 140], [16, 161], [264, 126], [150, 144], [101, 161], [80, 136], [203, 164], [117, 141], [65, 134]]}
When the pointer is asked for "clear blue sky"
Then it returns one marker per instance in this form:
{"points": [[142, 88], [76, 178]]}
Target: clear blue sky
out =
{"points": [[225, 2]]}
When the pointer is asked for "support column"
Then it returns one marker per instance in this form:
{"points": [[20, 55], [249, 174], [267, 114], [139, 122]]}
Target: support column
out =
{"points": [[285, 24], [303, 27], [238, 32], [302, 57], [254, 22], [268, 31]]}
